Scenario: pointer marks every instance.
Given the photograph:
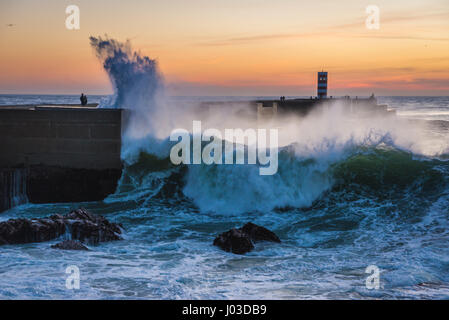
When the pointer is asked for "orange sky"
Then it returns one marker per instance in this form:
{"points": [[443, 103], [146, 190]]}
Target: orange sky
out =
{"points": [[232, 47]]}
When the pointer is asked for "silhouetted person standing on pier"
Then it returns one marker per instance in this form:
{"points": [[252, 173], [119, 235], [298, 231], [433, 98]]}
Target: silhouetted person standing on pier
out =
{"points": [[83, 99]]}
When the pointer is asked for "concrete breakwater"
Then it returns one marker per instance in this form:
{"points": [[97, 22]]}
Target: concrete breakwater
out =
{"points": [[12, 188], [58, 153]]}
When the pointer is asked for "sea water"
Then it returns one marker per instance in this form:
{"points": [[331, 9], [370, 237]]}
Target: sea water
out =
{"points": [[379, 204]]}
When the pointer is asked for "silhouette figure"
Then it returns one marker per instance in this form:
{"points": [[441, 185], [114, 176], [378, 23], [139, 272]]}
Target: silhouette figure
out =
{"points": [[83, 99]]}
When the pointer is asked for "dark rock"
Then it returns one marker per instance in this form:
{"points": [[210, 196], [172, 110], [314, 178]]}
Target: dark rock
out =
{"points": [[70, 245], [235, 241], [90, 228], [241, 240], [258, 233], [17, 231], [80, 224]]}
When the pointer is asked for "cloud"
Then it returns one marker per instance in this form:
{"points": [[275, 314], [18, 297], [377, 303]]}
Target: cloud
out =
{"points": [[434, 59], [412, 84], [415, 86], [336, 31], [398, 37], [181, 88]]}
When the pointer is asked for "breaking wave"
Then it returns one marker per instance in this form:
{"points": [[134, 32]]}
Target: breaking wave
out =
{"points": [[320, 153]]}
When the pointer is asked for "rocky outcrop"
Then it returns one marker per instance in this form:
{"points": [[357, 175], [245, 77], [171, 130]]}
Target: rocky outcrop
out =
{"points": [[17, 231], [240, 241], [79, 224], [70, 245], [87, 227], [258, 233], [235, 241]]}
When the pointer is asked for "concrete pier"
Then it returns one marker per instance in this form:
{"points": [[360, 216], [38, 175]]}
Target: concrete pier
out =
{"points": [[266, 109], [13, 187], [68, 154], [353, 107]]}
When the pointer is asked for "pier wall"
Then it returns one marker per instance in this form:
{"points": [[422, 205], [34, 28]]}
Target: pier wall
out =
{"points": [[13, 183], [69, 154]]}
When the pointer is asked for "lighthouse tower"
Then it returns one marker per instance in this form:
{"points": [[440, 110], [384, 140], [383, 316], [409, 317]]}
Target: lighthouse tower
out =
{"points": [[322, 85]]}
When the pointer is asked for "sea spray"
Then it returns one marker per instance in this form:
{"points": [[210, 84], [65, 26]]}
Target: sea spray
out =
{"points": [[139, 89], [135, 78], [314, 146]]}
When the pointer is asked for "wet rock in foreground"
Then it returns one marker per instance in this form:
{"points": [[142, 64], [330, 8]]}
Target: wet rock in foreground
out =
{"points": [[240, 241], [70, 245], [258, 233], [235, 241], [87, 227], [80, 224]]}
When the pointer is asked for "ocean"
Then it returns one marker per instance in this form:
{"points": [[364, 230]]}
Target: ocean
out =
{"points": [[346, 196]]}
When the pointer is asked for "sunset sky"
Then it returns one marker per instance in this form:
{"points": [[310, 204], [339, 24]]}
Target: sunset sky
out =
{"points": [[232, 47]]}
